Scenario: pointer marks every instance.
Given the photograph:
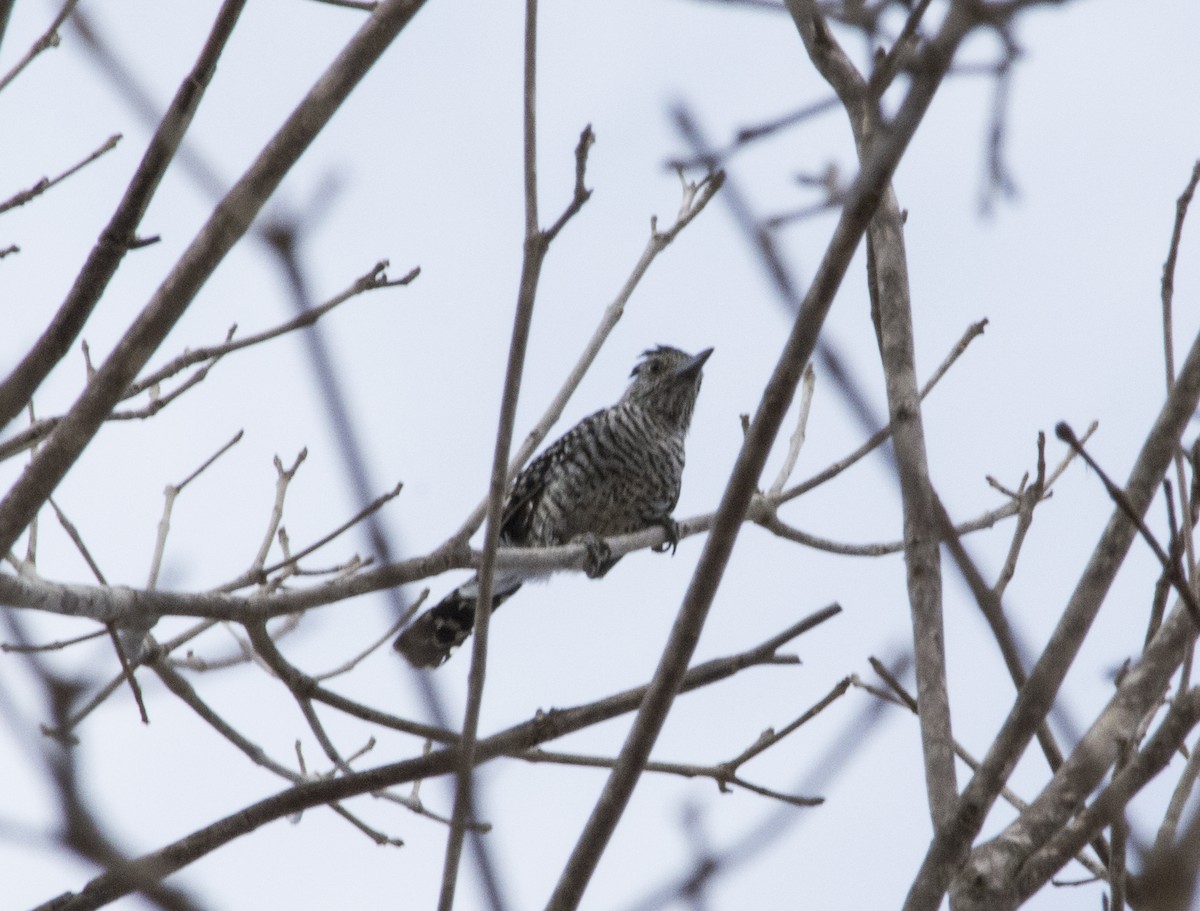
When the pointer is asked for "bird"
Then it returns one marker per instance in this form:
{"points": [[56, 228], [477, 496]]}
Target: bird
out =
{"points": [[617, 471]]}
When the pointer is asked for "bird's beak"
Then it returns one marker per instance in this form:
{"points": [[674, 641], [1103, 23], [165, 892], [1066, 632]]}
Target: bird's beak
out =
{"points": [[692, 367]]}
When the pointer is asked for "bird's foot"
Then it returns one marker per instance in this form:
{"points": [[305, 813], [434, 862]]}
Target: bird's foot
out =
{"points": [[671, 529], [599, 558]]}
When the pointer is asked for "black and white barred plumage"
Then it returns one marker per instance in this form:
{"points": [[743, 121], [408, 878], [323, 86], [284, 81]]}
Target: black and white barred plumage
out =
{"points": [[616, 471]]}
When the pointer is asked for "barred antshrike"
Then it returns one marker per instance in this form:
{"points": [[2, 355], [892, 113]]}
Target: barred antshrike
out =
{"points": [[616, 471]]}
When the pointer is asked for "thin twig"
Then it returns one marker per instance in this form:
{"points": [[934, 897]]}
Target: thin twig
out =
{"points": [[300, 686], [711, 160], [180, 687], [373, 280], [1162, 586], [283, 480], [1067, 435], [169, 495], [208, 355], [252, 577], [1168, 273], [1027, 500], [351, 663], [367, 6], [126, 671], [876, 439], [1118, 841], [807, 385], [55, 646], [772, 523], [46, 182], [722, 775], [77, 539], [885, 71], [48, 39], [771, 737]]}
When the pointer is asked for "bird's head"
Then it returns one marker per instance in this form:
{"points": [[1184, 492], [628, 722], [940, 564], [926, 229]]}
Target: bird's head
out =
{"points": [[666, 381]]}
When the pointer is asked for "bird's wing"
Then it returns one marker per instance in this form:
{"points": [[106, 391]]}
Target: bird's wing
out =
{"points": [[530, 485]]}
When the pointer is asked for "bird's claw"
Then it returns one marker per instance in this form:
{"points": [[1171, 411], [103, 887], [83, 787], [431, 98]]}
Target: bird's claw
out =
{"points": [[671, 529], [599, 559]]}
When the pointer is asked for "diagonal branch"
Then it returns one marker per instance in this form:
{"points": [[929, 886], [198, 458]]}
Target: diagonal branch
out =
{"points": [[1110, 803], [862, 200], [46, 183], [229, 221], [48, 39], [117, 238], [545, 726], [1142, 685]]}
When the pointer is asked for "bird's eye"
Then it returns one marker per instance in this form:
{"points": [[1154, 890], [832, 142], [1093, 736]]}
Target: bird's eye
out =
{"points": [[654, 366]]}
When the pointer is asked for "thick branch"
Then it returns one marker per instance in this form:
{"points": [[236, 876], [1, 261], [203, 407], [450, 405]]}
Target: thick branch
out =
{"points": [[1140, 687], [891, 307], [1111, 802]]}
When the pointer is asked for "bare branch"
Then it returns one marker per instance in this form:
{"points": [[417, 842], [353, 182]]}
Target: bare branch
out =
{"points": [[711, 160], [372, 280], [808, 383], [77, 540], [772, 523], [1168, 273], [367, 6], [891, 310], [48, 39], [350, 664], [1131, 778], [905, 698], [46, 182], [537, 244], [1138, 689], [178, 685], [55, 646], [1171, 567], [1028, 500], [1165, 838], [119, 234], [544, 727], [228, 222], [718, 773], [169, 494], [876, 439], [772, 737]]}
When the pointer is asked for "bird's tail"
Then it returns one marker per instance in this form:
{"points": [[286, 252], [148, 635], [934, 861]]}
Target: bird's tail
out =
{"points": [[429, 640]]}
